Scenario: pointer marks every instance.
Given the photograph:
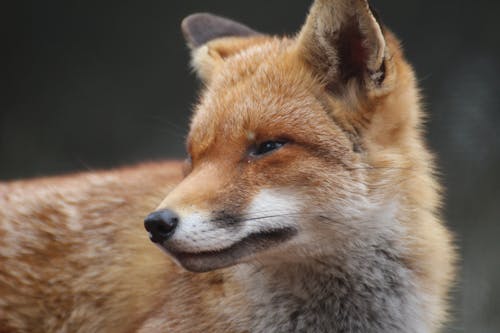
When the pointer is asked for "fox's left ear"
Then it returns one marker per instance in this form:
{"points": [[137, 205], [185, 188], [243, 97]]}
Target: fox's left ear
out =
{"points": [[212, 39], [343, 42]]}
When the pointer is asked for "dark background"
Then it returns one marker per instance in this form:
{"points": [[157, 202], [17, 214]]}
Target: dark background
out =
{"points": [[97, 84]]}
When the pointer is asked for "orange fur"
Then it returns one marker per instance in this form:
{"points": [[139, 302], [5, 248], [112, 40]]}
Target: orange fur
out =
{"points": [[74, 254]]}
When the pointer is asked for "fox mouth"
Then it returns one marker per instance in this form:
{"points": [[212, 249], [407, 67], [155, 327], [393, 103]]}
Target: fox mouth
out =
{"points": [[205, 261]]}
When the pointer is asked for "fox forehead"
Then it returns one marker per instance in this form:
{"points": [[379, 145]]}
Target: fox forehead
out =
{"points": [[262, 93]]}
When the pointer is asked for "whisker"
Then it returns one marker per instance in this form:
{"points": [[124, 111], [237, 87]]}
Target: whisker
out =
{"points": [[378, 168], [242, 219]]}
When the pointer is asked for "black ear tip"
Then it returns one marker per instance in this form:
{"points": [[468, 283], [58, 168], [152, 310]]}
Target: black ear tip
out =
{"points": [[196, 21], [192, 25], [201, 28]]}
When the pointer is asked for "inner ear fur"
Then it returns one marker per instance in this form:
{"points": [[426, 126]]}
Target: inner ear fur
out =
{"points": [[341, 41]]}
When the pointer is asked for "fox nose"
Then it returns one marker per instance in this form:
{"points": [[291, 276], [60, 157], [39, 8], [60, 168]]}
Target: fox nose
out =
{"points": [[161, 225]]}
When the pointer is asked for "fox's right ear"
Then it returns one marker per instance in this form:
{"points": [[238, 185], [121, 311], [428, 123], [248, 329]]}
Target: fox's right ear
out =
{"points": [[212, 39]]}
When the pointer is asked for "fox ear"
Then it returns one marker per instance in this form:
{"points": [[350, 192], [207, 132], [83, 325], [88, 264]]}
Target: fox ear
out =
{"points": [[342, 40], [200, 28], [211, 39]]}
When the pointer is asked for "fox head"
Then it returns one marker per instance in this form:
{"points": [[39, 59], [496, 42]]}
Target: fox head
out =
{"points": [[298, 146]]}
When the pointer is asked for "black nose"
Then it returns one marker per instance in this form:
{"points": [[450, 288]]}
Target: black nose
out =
{"points": [[161, 225]]}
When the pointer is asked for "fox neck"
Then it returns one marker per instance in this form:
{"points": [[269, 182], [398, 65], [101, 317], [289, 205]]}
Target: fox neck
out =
{"points": [[367, 290]]}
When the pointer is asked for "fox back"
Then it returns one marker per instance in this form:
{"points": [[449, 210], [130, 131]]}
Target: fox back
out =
{"points": [[308, 202]]}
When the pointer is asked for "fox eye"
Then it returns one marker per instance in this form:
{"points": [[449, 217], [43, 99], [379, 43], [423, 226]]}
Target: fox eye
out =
{"points": [[267, 147]]}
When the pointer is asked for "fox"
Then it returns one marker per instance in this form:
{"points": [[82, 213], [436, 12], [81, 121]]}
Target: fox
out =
{"points": [[309, 201]]}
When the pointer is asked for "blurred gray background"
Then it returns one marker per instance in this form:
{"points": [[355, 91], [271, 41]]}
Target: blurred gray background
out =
{"points": [[97, 84]]}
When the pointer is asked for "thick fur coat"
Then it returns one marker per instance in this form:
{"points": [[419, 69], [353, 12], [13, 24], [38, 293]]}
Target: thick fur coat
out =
{"points": [[308, 204]]}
